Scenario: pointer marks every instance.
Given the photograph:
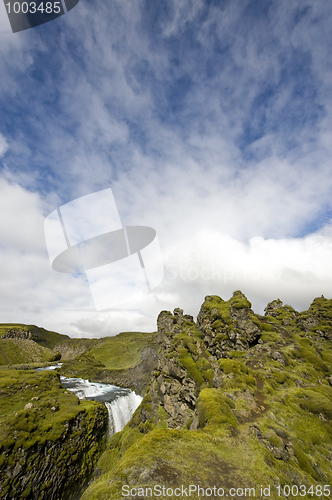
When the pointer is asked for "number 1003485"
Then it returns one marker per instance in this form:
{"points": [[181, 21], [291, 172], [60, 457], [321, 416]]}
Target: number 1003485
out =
{"points": [[318, 490], [33, 7]]}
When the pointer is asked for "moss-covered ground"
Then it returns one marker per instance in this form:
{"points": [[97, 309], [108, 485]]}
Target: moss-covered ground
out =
{"points": [[19, 351]]}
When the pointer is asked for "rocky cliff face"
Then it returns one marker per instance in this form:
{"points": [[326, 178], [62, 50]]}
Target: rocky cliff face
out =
{"points": [[17, 334], [49, 441], [135, 378], [56, 469]]}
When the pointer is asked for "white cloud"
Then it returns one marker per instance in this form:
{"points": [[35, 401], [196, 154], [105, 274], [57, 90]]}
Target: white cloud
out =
{"points": [[203, 262], [3, 145]]}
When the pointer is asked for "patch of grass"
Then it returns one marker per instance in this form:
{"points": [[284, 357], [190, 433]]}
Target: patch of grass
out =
{"points": [[85, 366], [233, 366], [214, 409]]}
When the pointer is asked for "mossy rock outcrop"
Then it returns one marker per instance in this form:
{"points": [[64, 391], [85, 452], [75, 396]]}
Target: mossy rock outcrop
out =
{"points": [[237, 400]]}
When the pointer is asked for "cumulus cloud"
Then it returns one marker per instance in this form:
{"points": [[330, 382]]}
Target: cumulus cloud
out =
{"points": [[293, 269]]}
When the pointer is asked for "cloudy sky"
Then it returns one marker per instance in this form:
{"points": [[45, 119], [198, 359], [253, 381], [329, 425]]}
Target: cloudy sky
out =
{"points": [[209, 120]]}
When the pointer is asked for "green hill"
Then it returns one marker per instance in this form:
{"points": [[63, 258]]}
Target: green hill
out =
{"points": [[45, 338], [21, 344]]}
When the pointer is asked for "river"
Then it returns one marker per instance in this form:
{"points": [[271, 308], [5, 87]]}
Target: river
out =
{"points": [[120, 402]]}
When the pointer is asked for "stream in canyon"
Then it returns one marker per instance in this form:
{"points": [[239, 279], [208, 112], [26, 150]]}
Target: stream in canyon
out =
{"points": [[120, 402]]}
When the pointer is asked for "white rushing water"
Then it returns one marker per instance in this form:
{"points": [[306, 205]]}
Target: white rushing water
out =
{"points": [[52, 367], [120, 411], [120, 403]]}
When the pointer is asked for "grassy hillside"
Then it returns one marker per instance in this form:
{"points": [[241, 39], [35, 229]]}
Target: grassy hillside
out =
{"points": [[44, 338], [24, 344], [238, 400], [20, 351], [122, 351]]}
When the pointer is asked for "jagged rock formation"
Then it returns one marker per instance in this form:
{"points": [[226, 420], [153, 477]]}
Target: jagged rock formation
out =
{"points": [[233, 389], [189, 354]]}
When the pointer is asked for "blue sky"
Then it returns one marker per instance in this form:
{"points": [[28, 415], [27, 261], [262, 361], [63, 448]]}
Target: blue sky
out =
{"points": [[210, 121]]}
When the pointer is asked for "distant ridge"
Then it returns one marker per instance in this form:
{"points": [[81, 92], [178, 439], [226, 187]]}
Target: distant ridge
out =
{"points": [[45, 338], [20, 343]]}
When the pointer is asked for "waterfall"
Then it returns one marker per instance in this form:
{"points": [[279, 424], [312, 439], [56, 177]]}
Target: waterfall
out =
{"points": [[120, 402], [120, 411]]}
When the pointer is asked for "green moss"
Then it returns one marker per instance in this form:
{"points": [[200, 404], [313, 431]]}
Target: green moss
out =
{"points": [[214, 409], [237, 354], [203, 364], [233, 366], [270, 336], [306, 351], [271, 436], [27, 492], [208, 376], [255, 320], [239, 301], [304, 463], [220, 337], [217, 324], [40, 426], [316, 402], [190, 365], [322, 308], [280, 378], [185, 340], [222, 307], [162, 417]]}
